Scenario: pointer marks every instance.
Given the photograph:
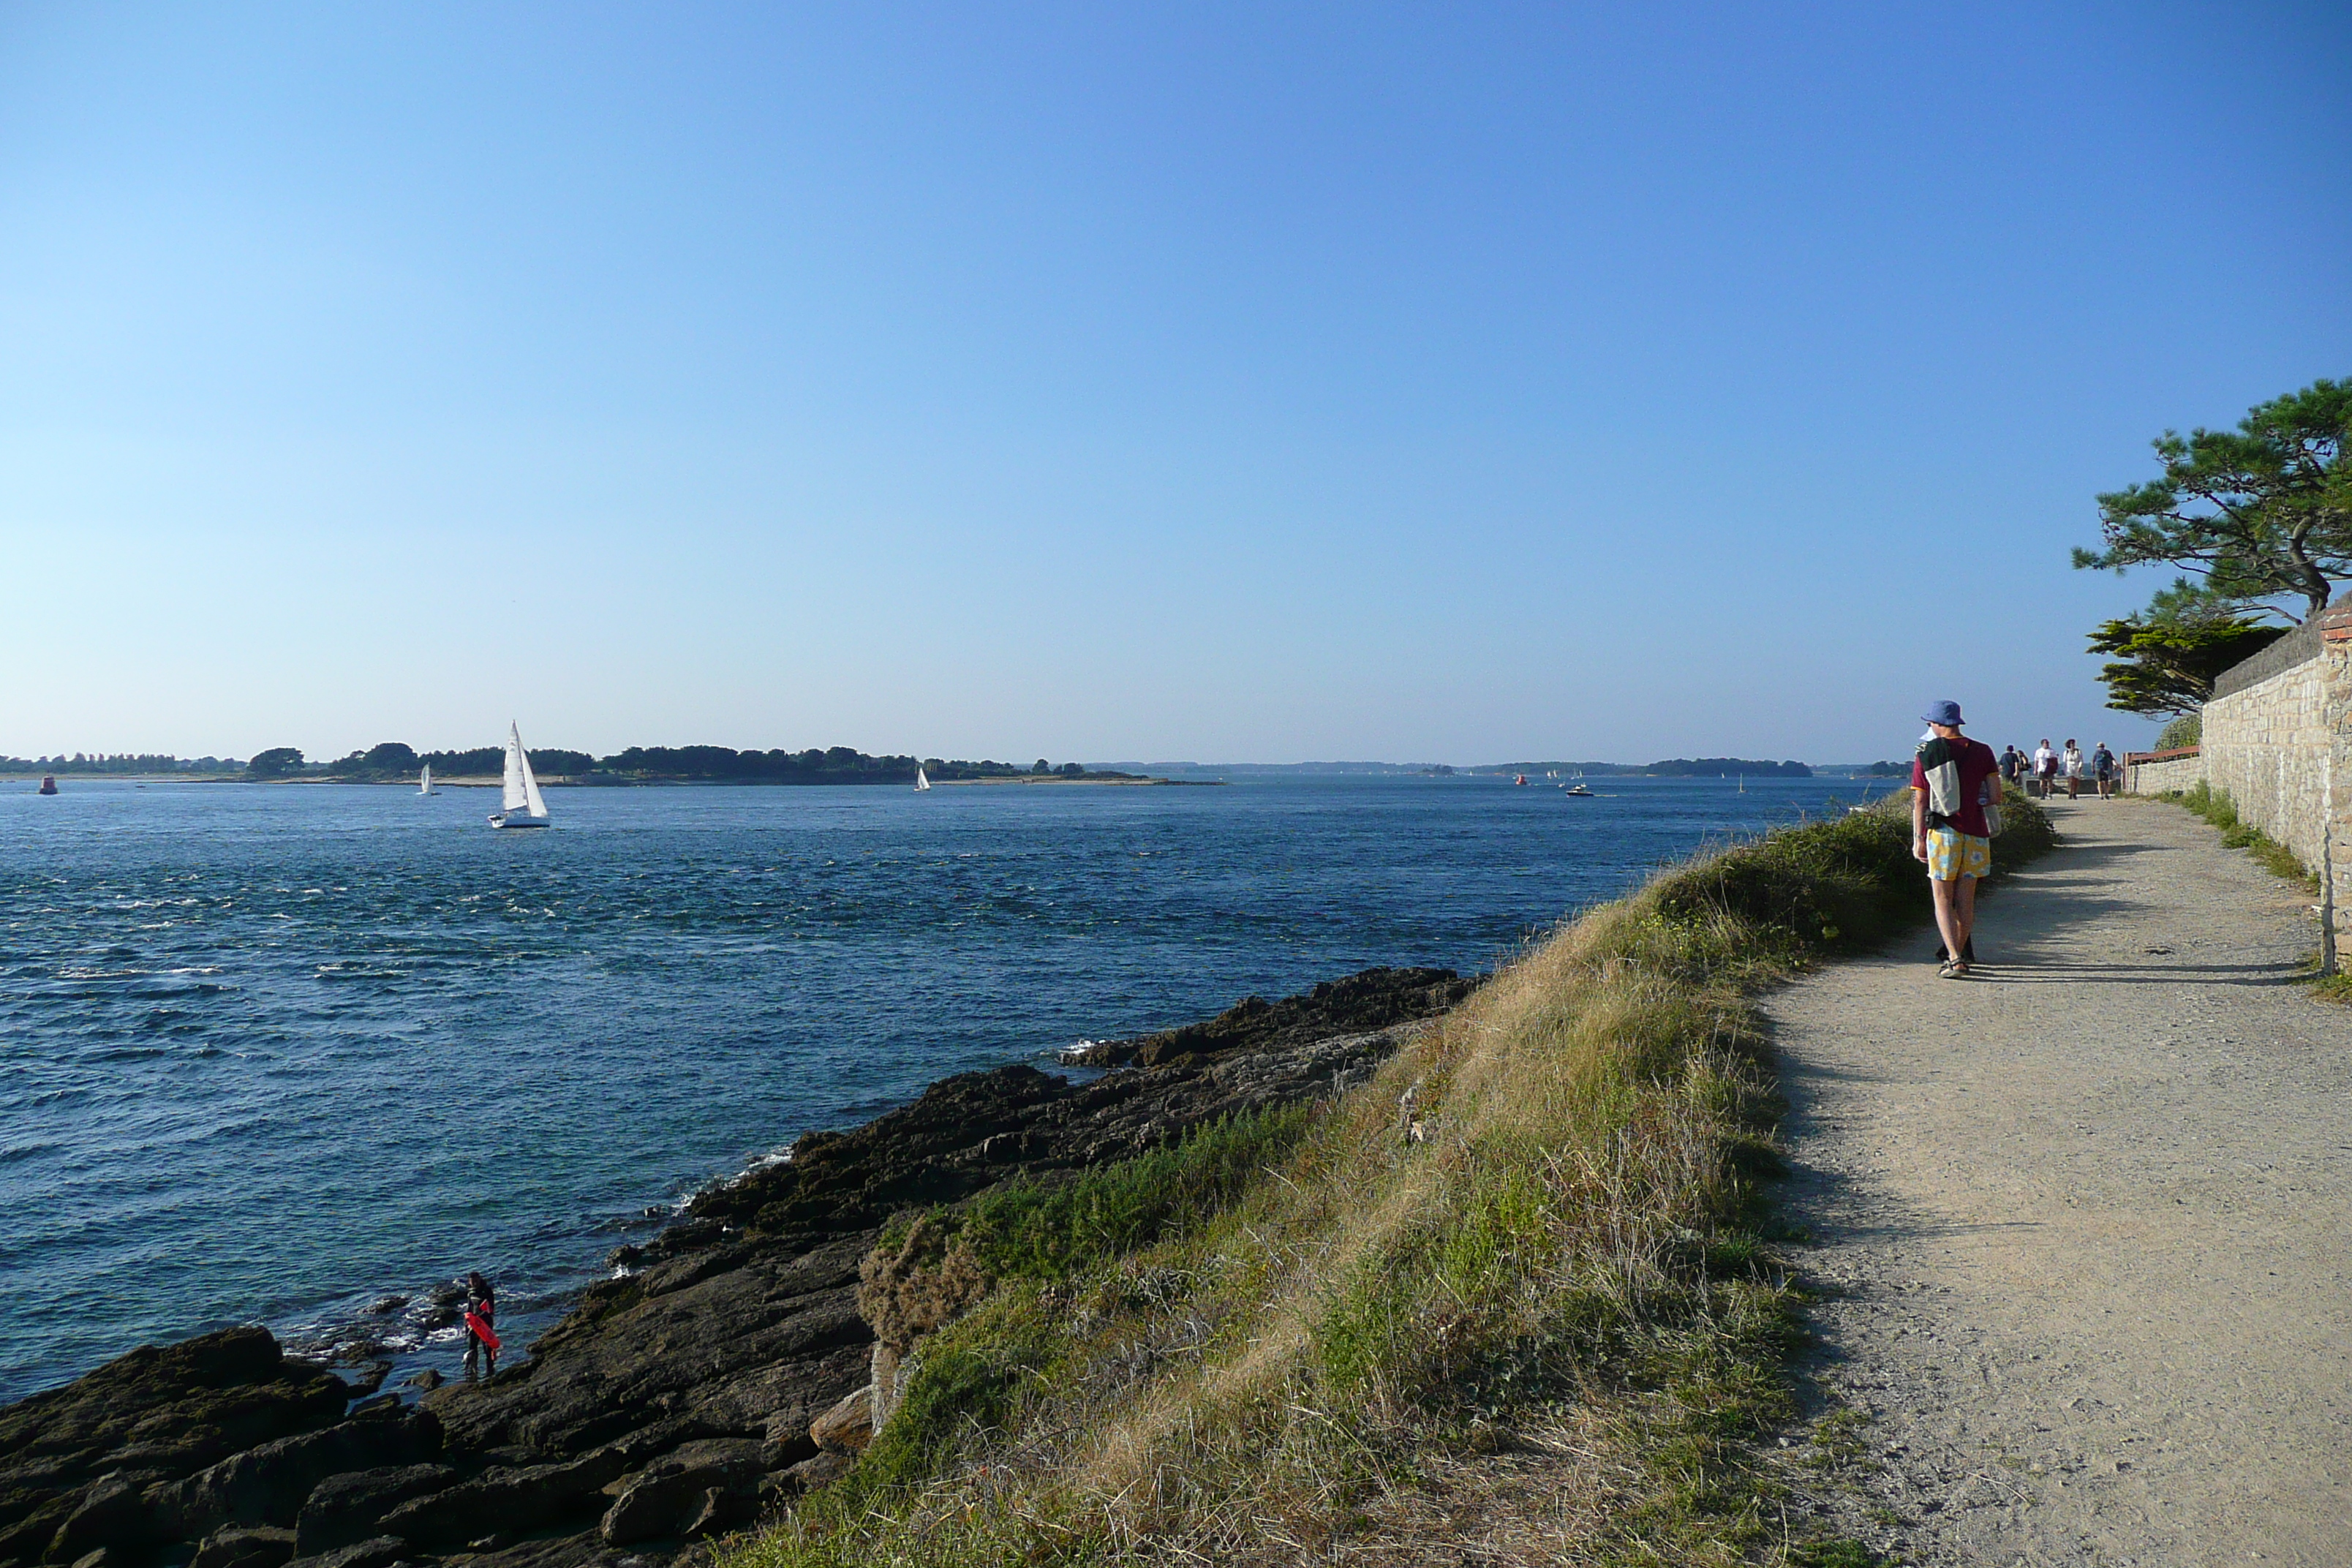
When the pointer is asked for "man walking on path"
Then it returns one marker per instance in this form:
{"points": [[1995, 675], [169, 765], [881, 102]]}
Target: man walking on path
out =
{"points": [[2103, 768], [1950, 778], [2045, 767]]}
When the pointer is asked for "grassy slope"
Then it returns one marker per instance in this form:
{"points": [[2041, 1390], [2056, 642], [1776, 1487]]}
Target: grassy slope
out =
{"points": [[1550, 1328]]}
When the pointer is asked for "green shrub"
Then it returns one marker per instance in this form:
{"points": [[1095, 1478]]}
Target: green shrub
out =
{"points": [[1052, 1230]]}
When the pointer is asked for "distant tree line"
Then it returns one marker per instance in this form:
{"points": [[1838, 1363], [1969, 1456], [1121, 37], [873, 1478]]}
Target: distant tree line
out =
{"points": [[1690, 767], [657, 765], [120, 762], [1673, 767]]}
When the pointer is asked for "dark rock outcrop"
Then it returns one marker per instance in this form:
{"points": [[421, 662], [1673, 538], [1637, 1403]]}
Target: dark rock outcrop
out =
{"points": [[1358, 1004], [669, 1402], [346, 1510], [701, 1489], [245, 1546], [270, 1484], [75, 1462], [377, 1552]]}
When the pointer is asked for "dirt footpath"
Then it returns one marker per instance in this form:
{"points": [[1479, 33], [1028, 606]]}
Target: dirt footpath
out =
{"points": [[2085, 1222]]}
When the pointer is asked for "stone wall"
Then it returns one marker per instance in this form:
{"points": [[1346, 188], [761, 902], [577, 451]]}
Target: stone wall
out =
{"points": [[2162, 771], [2278, 739]]}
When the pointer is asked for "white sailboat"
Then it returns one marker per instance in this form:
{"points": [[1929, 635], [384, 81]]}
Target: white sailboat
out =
{"points": [[522, 803], [923, 778], [424, 780]]}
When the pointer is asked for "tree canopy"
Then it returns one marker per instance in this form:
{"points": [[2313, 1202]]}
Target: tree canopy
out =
{"points": [[2167, 657], [2260, 513]]}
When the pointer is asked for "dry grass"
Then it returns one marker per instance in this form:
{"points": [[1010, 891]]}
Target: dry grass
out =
{"points": [[1542, 1327]]}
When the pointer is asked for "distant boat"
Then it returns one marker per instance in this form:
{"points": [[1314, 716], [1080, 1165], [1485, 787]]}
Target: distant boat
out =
{"points": [[424, 780], [1520, 780], [48, 784], [922, 780], [522, 804], [1576, 789]]}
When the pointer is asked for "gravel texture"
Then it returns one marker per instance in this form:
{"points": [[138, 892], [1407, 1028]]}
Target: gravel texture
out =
{"points": [[2080, 1224]]}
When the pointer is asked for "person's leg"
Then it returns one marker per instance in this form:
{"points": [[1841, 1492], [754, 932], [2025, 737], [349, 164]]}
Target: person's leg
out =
{"points": [[1948, 918], [1964, 913]]}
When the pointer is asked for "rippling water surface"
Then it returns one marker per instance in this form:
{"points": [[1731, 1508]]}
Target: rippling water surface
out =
{"points": [[271, 1052]]}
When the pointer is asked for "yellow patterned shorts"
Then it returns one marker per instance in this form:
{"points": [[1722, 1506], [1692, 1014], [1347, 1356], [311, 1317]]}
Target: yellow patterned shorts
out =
{"points": [[1952, 854]]}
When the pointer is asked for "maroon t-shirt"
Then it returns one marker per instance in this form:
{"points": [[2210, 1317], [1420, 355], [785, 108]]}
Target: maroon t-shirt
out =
{"points": [[1977, 765]]}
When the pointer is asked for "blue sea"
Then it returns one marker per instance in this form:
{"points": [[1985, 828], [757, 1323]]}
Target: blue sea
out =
{"points": [[273, 1054]]}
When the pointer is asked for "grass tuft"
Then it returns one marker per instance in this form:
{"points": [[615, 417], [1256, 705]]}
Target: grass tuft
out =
{"points": [[1516, 1299]]}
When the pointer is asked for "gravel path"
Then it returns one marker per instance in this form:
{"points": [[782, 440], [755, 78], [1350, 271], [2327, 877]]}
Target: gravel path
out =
{"points": [[2084, 1224]]}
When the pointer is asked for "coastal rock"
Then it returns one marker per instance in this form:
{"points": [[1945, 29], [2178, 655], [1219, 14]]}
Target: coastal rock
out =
{"points": [[111, 1514], [270, 1484], [245, 1546], [824, 1470], [702, 1488], [888, 1370], [848, 1427], [156, 1415], [346, 1508], [504, 1500], [376, 1551], [1357, 1003], [715, 1358]]}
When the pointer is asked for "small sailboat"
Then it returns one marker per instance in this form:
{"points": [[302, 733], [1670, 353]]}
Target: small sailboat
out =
{"points": [[922, 780], [522, 804], [424, 780], [1520, 780]]}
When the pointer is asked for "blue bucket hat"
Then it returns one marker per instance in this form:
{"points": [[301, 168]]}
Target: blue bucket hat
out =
{"points": [[1944, 713]]}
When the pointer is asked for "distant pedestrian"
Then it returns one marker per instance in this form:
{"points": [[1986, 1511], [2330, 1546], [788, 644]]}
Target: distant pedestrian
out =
{"points": [[1950, 780], [2011, 760], [2071, 763], [482, 1319], [2103, 768], [2045, 767]]}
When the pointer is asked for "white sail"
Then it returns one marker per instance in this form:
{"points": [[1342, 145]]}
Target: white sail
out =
{"points": [[531, 795], [424, 779], [922, 780], [515, 797]]}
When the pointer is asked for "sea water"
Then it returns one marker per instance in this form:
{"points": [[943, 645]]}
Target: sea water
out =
{"points": [[268, 1054]]}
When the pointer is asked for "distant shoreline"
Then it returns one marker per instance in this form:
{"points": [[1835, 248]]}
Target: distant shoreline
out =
{"points": [[561, 781]]}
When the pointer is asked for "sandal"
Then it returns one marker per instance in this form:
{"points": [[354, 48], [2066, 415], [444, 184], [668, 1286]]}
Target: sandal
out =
{"points": [[1954, 969]]}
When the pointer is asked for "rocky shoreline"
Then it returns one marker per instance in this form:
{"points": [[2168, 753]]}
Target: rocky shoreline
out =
{"points": [[727, 1369]]}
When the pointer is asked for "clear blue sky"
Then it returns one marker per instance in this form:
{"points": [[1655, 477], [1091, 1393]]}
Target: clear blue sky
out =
{"points": [[1199, 381]]}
